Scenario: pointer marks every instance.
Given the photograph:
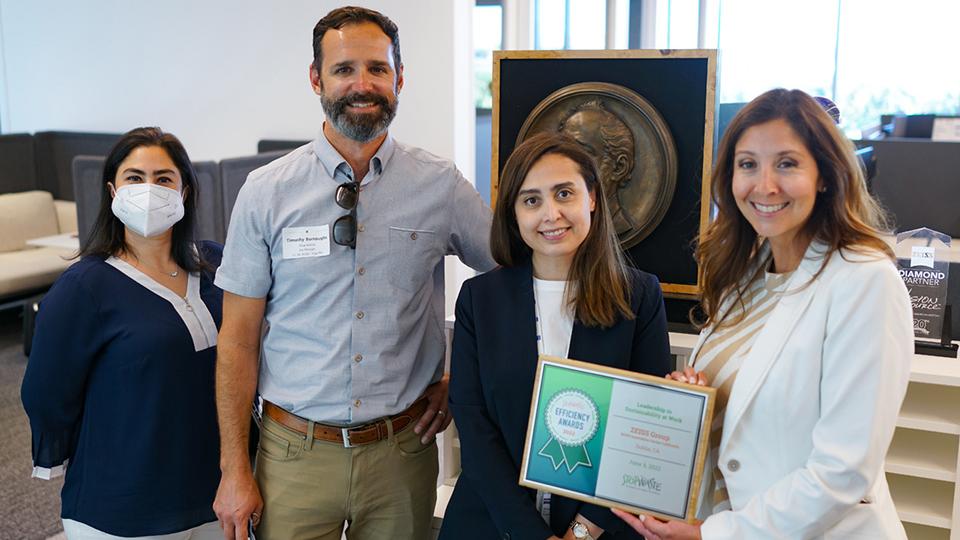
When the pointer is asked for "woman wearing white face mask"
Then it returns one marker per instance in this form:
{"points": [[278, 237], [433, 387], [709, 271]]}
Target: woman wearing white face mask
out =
{"points": [[119, 387]]}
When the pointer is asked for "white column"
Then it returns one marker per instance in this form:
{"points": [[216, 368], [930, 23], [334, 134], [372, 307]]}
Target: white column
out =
{"points": [[618, 24], [463, 125], [518, 18], [648, 24]]}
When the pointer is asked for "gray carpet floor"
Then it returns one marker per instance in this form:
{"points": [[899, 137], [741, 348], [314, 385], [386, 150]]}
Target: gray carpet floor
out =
{"points": [[29, 507]]}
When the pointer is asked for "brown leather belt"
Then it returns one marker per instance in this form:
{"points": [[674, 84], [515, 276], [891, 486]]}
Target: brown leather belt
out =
{"points": [[347, 436]]}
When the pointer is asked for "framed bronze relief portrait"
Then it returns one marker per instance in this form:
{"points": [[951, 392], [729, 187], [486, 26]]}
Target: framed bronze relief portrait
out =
{"points": [[647, 117], [629, 139]]}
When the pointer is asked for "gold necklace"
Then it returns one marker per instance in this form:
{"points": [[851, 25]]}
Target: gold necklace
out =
{"points": [[137, 264]]}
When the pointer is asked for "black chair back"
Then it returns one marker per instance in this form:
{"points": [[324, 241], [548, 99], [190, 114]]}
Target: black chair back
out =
{"points": [[233, 173], [55, 151], [87, 174], [209, 223], [18, 170]]}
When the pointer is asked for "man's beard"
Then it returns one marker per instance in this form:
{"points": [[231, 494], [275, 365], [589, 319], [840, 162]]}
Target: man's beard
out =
{"points": [[360, 127]]}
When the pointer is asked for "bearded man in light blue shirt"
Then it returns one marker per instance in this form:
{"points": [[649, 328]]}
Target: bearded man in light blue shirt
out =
{"points": [[333, 310]]}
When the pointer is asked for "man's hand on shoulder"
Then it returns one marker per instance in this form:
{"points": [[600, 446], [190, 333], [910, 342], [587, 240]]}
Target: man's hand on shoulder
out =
{"points": [[238, 501], [436, 418]]}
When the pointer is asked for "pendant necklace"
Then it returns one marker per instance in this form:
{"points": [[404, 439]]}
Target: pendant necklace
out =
{"points": [[175, 273]]}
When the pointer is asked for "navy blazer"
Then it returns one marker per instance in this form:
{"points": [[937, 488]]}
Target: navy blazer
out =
{"points": [[493, 362]]}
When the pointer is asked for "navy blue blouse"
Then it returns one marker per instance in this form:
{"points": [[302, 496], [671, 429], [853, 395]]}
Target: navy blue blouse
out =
{"points": [[116, 386]]}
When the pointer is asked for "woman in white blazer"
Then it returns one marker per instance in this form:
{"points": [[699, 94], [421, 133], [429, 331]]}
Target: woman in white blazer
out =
{"points": [[807, 335]]}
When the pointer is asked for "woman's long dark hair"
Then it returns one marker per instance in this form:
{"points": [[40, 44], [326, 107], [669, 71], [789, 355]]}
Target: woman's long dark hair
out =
{"points": [[844, 216], [600, 289], [107, 238]]}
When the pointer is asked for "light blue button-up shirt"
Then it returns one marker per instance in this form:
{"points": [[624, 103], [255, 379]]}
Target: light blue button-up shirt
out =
{"points": [[357, 334]]}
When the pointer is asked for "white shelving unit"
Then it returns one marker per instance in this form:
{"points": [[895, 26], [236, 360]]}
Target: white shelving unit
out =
{"points": [[923, 409], [922, 464], [924, 458], [924, 532]]}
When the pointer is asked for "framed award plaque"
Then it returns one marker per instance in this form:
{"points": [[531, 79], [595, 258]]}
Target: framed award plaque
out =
{"points": [[617, 438]]}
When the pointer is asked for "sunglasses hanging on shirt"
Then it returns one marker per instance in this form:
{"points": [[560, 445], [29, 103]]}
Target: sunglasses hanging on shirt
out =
{"points": [[345, 227]]}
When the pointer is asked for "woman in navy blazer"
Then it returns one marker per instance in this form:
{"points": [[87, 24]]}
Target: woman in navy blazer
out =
{"points": [[551, 224]]}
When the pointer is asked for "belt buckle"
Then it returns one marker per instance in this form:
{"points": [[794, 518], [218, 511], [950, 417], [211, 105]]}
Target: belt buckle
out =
{"points": [[345, 433]]}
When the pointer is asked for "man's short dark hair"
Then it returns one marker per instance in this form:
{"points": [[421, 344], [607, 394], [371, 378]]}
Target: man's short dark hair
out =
{"points": [[347, 15]]}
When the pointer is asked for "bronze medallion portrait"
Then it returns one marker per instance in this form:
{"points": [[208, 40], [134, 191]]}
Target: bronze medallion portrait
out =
{"points": [[629, 139]]}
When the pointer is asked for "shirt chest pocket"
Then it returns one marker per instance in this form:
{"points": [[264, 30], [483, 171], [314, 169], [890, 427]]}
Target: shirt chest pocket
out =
{"points": [[411, 257]]}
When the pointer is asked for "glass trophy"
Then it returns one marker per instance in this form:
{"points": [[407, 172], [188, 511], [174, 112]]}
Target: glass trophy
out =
{"points": [[922, 258]]}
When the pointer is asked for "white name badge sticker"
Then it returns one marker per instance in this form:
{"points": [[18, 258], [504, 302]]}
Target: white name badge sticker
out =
{"points": [[300, 242]]}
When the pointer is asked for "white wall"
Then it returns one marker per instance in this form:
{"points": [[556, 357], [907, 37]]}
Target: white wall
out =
{"points": [[222, 74]]}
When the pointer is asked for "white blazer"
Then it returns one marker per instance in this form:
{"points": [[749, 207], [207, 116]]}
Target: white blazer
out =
{"points": [[814, 405]]}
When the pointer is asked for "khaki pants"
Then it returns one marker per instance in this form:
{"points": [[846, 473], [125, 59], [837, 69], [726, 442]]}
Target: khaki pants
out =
{"points": [[311, 488]]}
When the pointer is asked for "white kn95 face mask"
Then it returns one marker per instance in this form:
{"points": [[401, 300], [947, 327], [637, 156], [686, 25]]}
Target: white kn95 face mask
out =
{"points": [[147, 209]]}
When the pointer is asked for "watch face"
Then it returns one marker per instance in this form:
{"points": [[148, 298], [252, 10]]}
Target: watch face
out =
{"points": [[580, 530]]}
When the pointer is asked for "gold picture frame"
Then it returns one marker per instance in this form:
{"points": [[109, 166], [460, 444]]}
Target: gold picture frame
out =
{"points": [[678, 83]]}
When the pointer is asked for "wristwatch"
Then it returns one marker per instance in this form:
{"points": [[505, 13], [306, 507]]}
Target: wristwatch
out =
{"points": [[580, 531]]}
